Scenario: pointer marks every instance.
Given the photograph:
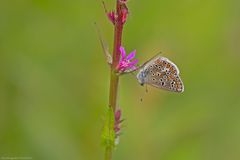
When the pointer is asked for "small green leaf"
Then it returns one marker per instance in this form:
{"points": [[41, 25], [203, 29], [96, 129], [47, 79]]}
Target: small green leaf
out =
{"points": [[108, 133]]}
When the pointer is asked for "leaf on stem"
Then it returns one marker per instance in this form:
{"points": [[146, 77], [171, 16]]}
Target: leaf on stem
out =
{"points": [[108, 132]]}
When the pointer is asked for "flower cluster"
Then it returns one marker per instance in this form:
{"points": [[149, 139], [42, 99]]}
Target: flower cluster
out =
{"points": [[117, 125], [117, 122], [121, 17], [123, 11], [125, 64], [111, 16]]}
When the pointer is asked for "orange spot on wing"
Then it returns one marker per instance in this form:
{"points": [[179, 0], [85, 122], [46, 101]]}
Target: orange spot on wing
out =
{"points": [[168, 65], [158, 61], [172, 77]]}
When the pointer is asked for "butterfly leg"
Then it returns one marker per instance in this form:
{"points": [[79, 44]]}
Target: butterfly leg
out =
{"points": [[137, 68], [146, 89]]}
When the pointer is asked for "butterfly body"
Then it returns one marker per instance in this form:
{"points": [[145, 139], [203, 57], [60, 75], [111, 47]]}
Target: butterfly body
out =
{"points": [[160, 72]]}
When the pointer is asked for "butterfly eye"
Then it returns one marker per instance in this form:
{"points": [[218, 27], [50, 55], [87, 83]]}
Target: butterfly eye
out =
{"points": [[159, 67], [162, 83], [151, 71], [158, 74], [154, 79], [156, 65], [153, 74], [151, 66], [161, 79]]}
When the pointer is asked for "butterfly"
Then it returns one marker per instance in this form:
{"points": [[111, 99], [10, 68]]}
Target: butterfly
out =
{"points": [[162, 73], [158, 72]]}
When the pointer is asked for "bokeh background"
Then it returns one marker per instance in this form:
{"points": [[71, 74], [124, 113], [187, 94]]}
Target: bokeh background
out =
{"points": [[54, 82]]}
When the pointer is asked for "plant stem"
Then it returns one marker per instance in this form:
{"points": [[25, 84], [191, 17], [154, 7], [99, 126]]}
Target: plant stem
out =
{"points": [[116, 55], [114, 77], [114, 80], [108, 153]]}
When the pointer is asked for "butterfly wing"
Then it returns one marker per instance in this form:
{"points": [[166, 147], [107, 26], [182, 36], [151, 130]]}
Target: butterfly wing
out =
{"points": [[162, 73]]}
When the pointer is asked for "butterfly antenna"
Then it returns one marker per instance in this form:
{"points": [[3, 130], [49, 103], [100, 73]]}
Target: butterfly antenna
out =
{"points": [[106, 52], [160, 52], [104, 6], [133, 74], [156, 55]]}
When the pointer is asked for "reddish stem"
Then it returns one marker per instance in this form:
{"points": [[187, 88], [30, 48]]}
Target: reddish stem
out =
{"points": [[118, 28], [114, 80]]}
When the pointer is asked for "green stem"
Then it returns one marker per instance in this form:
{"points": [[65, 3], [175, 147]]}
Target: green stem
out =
{"points": [[108, 153]]}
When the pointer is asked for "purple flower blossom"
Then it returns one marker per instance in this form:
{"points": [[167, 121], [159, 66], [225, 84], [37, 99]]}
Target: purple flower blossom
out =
{"points": [[125, 64]]}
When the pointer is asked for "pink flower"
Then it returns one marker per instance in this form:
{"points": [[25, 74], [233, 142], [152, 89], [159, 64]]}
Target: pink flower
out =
{"points": [[124, 15], [111, 16], [123, 11], [123, 1], [118, 121], [120, 16], [125, 64]]}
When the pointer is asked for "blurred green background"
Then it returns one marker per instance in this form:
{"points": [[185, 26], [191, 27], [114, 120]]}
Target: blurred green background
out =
{"points": [[54, 82]]}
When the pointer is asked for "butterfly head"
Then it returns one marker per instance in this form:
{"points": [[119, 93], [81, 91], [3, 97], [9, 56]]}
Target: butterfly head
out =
{"points": [[141, 76]]}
